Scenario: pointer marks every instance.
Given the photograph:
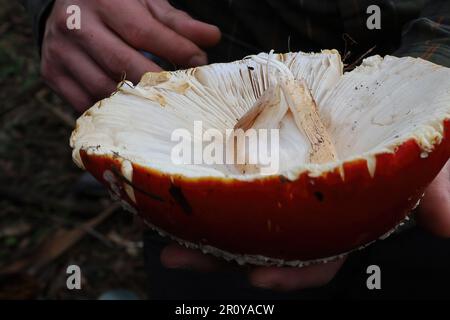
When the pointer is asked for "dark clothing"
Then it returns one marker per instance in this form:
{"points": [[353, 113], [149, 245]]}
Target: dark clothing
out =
{"points": [[38, 10], [413, 263], [416, 28], [419, 28]]}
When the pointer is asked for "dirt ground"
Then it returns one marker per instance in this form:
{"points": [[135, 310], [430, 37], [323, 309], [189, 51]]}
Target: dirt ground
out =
{"points": [[47, 220]]}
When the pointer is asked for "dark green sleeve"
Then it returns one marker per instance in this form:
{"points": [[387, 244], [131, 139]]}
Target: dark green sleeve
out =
{"points": [[428, 36], [38, 11]]}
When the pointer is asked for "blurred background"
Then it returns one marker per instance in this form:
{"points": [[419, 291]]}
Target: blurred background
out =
{"points": [[51, 215]]}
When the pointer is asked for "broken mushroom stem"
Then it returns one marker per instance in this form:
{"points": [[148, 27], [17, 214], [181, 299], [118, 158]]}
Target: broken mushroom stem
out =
{"points": [[268, 111], [306, 116]]}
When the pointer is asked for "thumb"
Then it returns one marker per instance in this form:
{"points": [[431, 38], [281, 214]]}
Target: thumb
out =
{"points": [[201, 33], [434, 210]]}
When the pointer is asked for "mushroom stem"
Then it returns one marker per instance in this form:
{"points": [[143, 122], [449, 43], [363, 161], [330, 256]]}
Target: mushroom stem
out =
{"points": [[270, 98], [268, 112], [307, 119]]}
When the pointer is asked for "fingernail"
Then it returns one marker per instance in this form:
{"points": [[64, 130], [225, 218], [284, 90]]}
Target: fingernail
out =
{"points": [[264, 280], [176, 265], [198, 60], [263, 284]]}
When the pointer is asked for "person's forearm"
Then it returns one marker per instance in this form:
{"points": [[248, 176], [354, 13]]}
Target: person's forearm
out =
{"points": [[38, 11], [428, 36]]}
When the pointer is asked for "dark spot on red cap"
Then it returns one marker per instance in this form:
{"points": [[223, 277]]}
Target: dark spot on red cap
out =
{"points": [[319, 195], [178, 196]]}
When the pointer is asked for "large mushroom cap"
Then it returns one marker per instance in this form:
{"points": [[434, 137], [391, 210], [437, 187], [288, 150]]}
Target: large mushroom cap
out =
{"points": [[388, 122]]}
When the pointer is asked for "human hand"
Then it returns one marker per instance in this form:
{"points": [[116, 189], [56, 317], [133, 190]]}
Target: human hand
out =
{"points": [[175, 256], [83, 66], [433, 213], [434, 209]]}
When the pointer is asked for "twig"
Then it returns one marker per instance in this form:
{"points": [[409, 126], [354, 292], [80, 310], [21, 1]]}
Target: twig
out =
{"points": [[354, 63], [57, 245], [99, 236]]}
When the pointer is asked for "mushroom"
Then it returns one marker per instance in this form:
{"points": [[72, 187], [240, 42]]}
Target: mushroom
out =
{"points": [[354, 152]]}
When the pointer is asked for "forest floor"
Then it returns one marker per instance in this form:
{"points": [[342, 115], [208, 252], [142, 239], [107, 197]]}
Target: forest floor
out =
{"points": [[48, 220]]}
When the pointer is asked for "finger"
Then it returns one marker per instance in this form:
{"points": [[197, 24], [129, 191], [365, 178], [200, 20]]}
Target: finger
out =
{"points": [[72, 92], [202, 34], [87, 73], [139, 29], [434, 210], [58, 79], [288, 279], [175, 256], [114, 56]]}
